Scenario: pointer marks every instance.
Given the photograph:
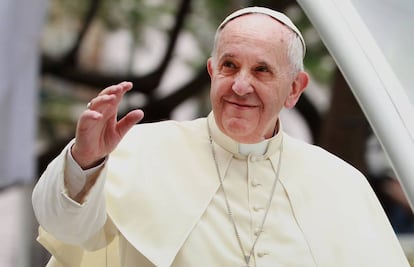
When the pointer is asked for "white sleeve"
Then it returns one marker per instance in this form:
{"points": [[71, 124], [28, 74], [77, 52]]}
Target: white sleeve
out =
{"points": [[75, 176], [64, 218]]}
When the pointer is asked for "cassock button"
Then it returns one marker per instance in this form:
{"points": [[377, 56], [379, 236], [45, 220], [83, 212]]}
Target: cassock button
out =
{"points": [[256, 208], [257, 231], [261, 254], [255, 183]]}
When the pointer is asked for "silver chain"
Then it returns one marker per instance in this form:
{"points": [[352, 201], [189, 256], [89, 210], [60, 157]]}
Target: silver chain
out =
{"points": [[246, 257]]}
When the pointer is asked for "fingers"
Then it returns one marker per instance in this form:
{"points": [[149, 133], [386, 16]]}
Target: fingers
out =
{"points": [[101, 102], [101, 112], [108, 99], [128, 121], [98, 131], [118, 89], [88, 118]]}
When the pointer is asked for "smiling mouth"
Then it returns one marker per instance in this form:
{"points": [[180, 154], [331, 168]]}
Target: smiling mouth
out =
{"points": [[241, 105]]}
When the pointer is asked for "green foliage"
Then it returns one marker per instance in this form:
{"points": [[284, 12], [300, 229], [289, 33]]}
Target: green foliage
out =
{"points": [[135, 16], [132, 14]]}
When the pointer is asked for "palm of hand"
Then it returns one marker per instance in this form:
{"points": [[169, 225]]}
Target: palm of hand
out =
{"points": [[98, 131]]}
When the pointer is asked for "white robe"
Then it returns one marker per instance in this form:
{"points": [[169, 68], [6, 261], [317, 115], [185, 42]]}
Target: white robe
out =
{"points": [[165, 206]]}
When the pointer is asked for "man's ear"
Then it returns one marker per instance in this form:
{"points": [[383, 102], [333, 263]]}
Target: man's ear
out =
{"points": [[297, 88], [210, 67]]}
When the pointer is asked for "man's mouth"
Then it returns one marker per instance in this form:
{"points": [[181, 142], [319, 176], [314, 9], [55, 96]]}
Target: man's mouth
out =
{"points": [[241, 105]]}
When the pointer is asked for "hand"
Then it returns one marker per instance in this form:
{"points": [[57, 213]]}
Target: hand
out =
{"points": [[98, 132]]}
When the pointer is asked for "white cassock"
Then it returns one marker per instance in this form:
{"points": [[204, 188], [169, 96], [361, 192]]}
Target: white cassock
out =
{"points": [[158, 202]]}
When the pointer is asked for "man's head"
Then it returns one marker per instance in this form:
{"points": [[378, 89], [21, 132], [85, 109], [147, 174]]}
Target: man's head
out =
{"points": [[256, 69], [297, 46]]}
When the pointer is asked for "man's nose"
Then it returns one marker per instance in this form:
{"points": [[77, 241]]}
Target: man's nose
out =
{"points": [[242, 84]]}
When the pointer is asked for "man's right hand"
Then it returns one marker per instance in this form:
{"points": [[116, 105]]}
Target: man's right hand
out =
{"points": [[98, 132]]}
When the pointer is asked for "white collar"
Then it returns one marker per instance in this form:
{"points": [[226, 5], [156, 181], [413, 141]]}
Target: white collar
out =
{"points": [[257, 149], [265, 148]]}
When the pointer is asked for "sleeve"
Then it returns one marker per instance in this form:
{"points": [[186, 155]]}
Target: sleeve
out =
{"points": [[75, 177], [67, 220]]}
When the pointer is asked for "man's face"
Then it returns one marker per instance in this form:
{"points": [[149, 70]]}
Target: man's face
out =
{"points": [[251, 77]]}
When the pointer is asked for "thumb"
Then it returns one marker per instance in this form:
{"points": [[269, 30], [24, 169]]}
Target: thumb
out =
{"points": [[128, 121]]}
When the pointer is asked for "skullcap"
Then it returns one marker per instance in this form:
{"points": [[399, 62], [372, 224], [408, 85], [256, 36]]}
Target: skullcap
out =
{"points": [[266, 11]]}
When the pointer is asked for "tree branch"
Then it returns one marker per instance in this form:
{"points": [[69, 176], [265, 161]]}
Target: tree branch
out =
{"points": [[71, 57], [93, 78], [182, 13], [161, 109], [66, 67]]}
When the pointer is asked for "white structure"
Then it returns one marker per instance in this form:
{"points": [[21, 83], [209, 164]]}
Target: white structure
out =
{"points": [[21, 23], [371, 41]]}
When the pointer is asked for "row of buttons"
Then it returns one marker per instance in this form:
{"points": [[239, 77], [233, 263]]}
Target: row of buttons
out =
{"points": [[257, 208]]}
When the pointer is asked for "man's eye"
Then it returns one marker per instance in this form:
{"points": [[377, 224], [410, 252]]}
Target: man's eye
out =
{"points": [[262, 69], [228, 64]]}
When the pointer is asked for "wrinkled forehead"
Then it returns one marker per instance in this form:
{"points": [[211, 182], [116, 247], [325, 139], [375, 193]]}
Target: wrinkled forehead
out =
{"points": [[282, 18]]}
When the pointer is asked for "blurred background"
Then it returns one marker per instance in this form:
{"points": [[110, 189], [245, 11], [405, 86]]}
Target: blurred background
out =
{"points": [[58, 54]]}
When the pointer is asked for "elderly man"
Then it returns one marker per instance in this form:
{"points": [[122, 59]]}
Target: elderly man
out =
{"points": [[231, 189]]}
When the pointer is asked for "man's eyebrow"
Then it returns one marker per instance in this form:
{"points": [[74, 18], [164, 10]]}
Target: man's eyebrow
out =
{"points": [[263, 62], [259, 62], [227, 55]]}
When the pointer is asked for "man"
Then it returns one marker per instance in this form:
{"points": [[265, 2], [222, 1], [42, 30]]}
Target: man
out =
{"points": [[228, 190]]}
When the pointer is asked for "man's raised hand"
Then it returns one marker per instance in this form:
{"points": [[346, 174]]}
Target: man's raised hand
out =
{"points": [[98, 132]]}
